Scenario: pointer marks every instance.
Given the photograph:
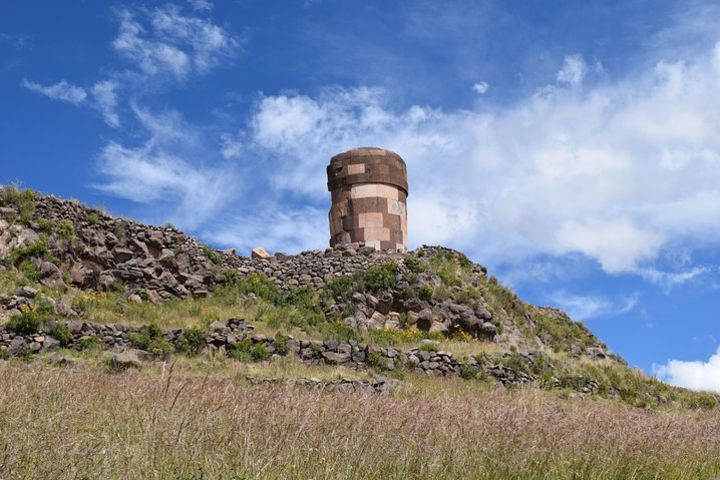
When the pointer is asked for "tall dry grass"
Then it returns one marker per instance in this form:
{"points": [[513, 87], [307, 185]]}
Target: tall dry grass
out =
{"points": [[85, 423]]}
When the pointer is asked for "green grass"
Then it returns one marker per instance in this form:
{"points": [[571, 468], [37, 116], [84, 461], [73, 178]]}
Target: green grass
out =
{"points": [[24, 200]]}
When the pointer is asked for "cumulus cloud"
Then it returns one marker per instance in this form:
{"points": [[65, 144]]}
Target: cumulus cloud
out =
{"points": [[62, 91], [616, 172], [695, 375], [106, 101], [166, 42], [585, 307], [481, 87]]}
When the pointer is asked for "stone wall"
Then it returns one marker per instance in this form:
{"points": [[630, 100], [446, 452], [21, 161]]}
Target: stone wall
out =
{"points": [[224, 337], [369, 199]]}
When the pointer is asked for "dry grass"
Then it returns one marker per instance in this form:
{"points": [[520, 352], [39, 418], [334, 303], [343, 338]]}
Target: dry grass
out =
{"points": [[84, 423]]}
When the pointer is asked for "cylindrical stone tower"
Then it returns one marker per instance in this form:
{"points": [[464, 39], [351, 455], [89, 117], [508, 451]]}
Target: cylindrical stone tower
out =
{"points": [[369, 198]]}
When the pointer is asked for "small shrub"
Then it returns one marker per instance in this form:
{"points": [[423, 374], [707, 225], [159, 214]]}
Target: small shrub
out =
{"points": [[150, 338], [407, 292], [24, 200], [92, 218], [29, 270], [211, 254], [468, 295], [425, 292], [441, 293], [191, 341], [62, 333], [46, 226], [379, 277], [341, 286], [38, 249], [376, 360], [414, 265], [25, 323], [91, 342], [259, 285], [66, 230], [468, 373], [247, 351], [281, 344]]}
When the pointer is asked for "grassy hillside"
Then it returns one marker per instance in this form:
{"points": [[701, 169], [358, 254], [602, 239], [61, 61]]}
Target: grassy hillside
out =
{"points": [[480, 383]]}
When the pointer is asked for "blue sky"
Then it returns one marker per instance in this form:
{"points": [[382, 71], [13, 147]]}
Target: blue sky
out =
{"points": [[571, 147]]}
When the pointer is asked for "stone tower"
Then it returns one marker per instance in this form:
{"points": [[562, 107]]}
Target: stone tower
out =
{"points": [[369, 198]]}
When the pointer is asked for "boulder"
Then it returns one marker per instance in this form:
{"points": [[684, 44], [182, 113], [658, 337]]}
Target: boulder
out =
{"points": [[335, 358], [124, 360], [60, 360], [26, 292], [259, 252]]}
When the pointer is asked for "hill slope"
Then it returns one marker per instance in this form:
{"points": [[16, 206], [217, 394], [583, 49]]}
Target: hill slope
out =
{"points": [[78, 278]]}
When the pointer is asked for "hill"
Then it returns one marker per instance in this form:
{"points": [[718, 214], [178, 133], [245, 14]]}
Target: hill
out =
{"points": [[102, 295]]}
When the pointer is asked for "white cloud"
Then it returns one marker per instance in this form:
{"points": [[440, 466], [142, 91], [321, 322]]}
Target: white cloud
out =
{"points": [[617, 172], [573, 70], [166, 172], [276, 229], [106, 101], [667, 280], [201, 5], [481, 87], [62, 91], [584, 307], [695, 375], [172, 44]]}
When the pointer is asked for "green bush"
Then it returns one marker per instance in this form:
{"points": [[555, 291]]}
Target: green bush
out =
{"points": [[62, 333], [259, 285], [281, 344], [414, 265], [191, 341], [425, 292], [376, 360], [46, 226], [380, 277], [92, 218], [150, 338], [66, 230], [24, 200], [468, 373], [468, 295], [247, 351], [90, 343], [29, 270], [25, 323], [341, 286], [37, 249]]}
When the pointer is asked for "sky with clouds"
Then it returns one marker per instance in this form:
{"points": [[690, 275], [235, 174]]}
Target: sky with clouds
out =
{"points": [[573, 149]]}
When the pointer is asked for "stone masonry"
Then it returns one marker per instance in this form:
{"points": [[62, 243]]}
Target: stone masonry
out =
{"points": [[369, 199]]}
